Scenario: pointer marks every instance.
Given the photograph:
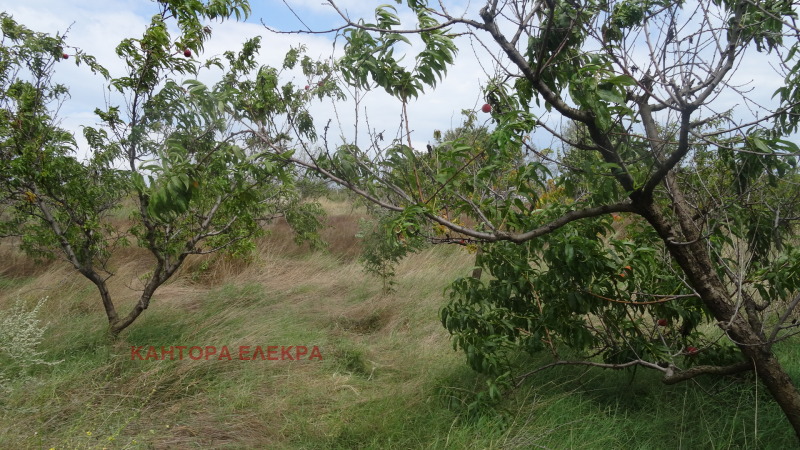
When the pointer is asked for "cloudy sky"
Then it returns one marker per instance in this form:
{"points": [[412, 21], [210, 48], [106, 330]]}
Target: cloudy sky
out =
{"points": [[97, 26]]}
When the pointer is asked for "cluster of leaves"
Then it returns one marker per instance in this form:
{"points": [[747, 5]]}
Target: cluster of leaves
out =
{"points": [[205, 185], [385, 243], [39, 173], [275, 112], [370, 58], [572, 289]]}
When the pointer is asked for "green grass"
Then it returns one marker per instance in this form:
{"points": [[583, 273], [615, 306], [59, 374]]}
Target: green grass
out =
{"points": [[389, 377], [591, 409], [9, 283]]}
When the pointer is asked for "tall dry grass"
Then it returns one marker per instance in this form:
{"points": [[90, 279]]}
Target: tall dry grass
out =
{"points": [[389, 376]]}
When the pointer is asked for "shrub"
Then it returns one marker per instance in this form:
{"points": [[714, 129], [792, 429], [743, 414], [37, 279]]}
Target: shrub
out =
{"points": [[21, 333]]}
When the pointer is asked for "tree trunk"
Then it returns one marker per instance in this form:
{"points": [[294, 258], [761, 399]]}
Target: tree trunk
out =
{"points": [[777, 382], [116, 327], [695, 262]]}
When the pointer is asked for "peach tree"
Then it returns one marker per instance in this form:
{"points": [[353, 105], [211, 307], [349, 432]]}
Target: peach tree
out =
{"points": [[658, 233], [166, 152]]}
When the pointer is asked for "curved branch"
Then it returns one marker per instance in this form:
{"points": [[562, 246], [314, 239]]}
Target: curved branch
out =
{"points": [[547, 228], [350, 23], [683, 375], [784, 317], [637, 362], [345, 183], [670, 374], [496, 236], [549, 96], [676, 156]]}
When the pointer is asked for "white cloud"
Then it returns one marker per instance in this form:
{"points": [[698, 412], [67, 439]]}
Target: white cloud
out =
{"points": [[97, 26]]}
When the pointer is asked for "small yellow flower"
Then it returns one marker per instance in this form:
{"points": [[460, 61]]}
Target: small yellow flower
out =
{"points": [[88, 433]]}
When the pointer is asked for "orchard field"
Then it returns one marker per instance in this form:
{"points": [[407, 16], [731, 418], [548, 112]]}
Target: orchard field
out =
{"points": [[517, 224]]}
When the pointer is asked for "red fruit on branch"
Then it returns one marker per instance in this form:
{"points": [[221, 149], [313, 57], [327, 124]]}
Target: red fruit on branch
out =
{"points": [[65, 56], [308, 87], [187, 53], [662, 322], [487, 108], [691, 350]]}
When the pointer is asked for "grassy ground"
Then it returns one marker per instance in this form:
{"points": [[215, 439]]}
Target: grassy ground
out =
{"points": [[388, 378]]}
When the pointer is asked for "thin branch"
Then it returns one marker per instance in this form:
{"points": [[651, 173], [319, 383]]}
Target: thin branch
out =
{"points": [[650, 302], [637, 362], [784, 317]]}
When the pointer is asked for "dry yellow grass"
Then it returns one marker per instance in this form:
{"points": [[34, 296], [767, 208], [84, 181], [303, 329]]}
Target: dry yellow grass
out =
{"points": [[15, 264], [376, 348], [389, 376]]}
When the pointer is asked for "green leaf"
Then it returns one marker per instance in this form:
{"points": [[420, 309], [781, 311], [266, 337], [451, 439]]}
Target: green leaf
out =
{"points": [[611, 96], [621, 80]]}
